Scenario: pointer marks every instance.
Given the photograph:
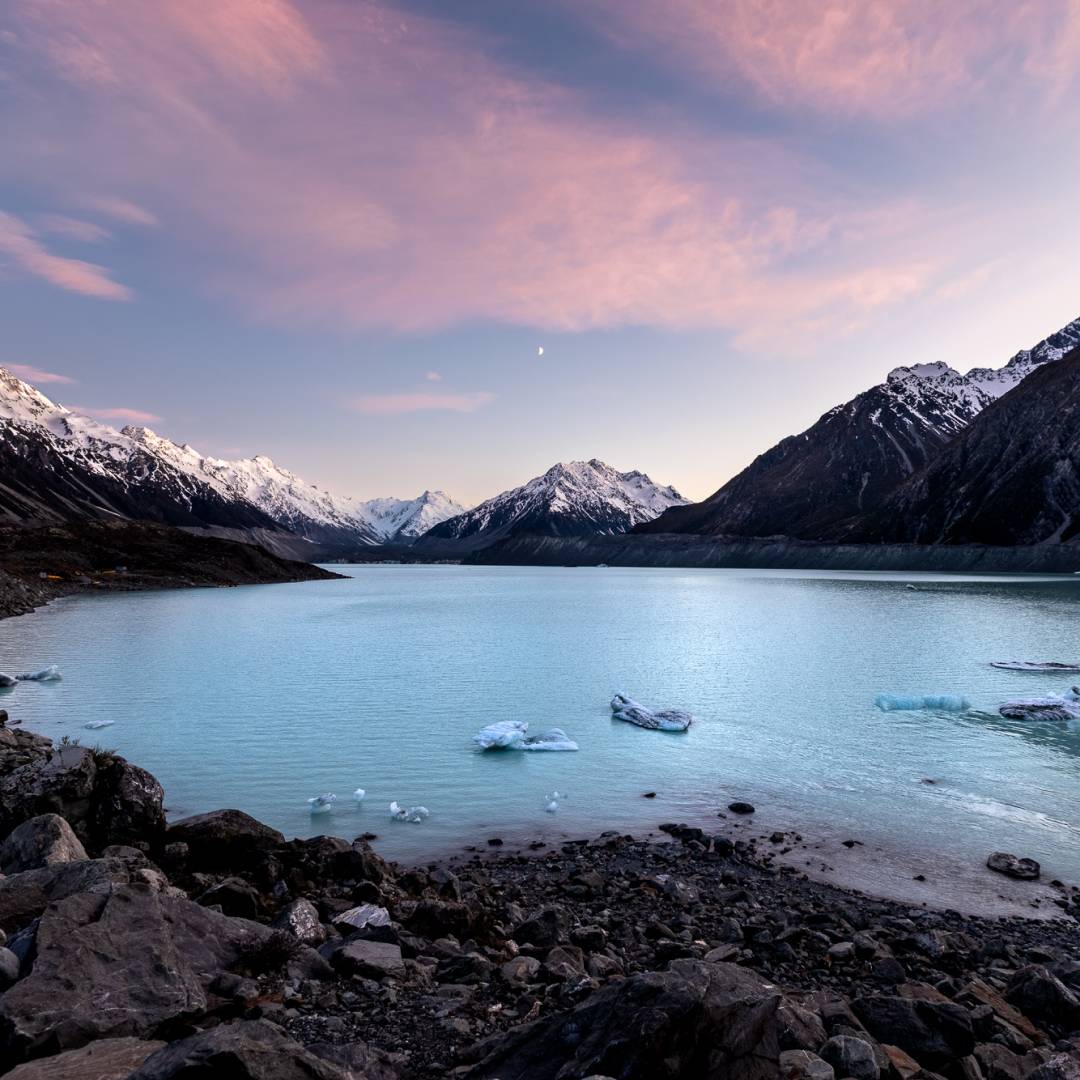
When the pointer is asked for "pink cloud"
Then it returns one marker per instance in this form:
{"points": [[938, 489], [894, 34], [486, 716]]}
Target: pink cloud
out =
{"points": [[134, 416], [885, 57], [73, 228], [433, 376], [36, 375], [262, 129], [23, 249], [394, 404]]}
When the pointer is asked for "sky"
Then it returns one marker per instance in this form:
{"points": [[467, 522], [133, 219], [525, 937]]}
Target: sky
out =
{"points": [[339, 232]]}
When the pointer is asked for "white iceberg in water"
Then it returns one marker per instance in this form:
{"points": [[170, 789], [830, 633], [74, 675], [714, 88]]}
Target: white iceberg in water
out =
{"points": [[49, 674], [358, 795], [415, 814], [1050, 667], [633, 712], [95, 724], [551, 802], [918, 702], [501, 735], [1059, 708], [321, 804], [514, 735]]}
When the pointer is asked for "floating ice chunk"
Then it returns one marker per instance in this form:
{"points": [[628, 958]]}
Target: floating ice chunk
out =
{"points": [[1051, 667], [321, 804], [49, 674], [552, 807], [624, 708], [7, 680], [551, 802], [555, 739], [94, 725], [414, 814], [917, 702], [1059, 708], [501, 735], [358, 795]]}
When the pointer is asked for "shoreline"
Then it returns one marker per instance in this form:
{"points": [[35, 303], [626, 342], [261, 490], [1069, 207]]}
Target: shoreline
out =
{"points": [[332, 960]]}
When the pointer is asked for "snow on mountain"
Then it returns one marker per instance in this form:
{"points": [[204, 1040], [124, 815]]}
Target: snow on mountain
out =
{"points": [[99, 471], [857, 453], [578, 498]]}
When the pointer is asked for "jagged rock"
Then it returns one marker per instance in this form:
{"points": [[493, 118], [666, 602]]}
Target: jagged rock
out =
{"points": [[1011, 866], [120, 962], [234, 896], [439, 918], [9, 968], [40, 841], [930, 1031], [25, 896], [366, 1062], [106, 1059], [1059, 1067], [248, 1050], [708, 1021], [362, 917], [1043, 997], [373, 959], [544, 930], [128, 805], [226, 840], [803, 1065], [564, 962], [301, 919], [520, 970], [851, 1057]]}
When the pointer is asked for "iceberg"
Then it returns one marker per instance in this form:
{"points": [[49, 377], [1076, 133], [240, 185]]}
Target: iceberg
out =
{"points": [[551, 802], [501, 735], [358, 795], [94, 725], [917, 702], [555, 739], [415, 814], [1059, 708], [49, 674], [321, 804], [514, 735], [624, 708], [7, 680], [1050, 667]]}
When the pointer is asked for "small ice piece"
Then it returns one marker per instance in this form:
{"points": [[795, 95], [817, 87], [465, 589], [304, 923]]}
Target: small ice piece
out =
{"points": [[358, 795], [624, 708], [94, 725], [1059, 708], [552, 802], [7, 680], [1049, 667], [502, 735], [321, 804], [49, 674], [555, 739], [414, 814], [552, 807], [918, 702]]}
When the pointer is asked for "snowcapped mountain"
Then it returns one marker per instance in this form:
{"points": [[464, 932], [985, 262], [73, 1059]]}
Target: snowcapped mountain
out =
{"points": [[858, 452], [58, 465], [579, 498]]}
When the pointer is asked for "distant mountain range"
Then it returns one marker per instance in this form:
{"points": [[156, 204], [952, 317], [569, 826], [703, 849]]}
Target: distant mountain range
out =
{"points": [[841, 478], [60, 466], [577, 498]]}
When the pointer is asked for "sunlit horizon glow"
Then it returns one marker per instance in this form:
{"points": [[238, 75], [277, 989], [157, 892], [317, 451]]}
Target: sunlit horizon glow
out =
{"points": [[331, 230]]}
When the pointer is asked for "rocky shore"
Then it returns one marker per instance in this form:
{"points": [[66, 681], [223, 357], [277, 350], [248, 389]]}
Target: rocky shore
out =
{"points": [[39, 564], [215, 947]]}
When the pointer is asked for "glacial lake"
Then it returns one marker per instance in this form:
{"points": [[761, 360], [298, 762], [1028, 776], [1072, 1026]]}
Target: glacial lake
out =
{"points": [[260, 697]]}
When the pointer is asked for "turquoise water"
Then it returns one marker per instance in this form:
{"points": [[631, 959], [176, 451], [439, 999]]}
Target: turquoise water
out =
{"points": [[260, 697]]}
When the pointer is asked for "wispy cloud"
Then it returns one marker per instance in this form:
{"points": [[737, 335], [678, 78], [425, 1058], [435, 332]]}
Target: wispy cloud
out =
{"points": [[25, 250], [433, 376], [36, 375], [122, 210], [394, 404], [133, 416], [73, 228]]}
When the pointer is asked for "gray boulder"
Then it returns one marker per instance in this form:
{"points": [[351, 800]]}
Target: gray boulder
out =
{"points": [[224, 839], [1012, 866], [9, 968], [373, 959], [107, 1059], [803, 1065], [1044, 998], [932, 1032], [115, 963], [40, 841], [851, 1057], [301, 919], [708, 1021], [248, 1050], [25, 896]]}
